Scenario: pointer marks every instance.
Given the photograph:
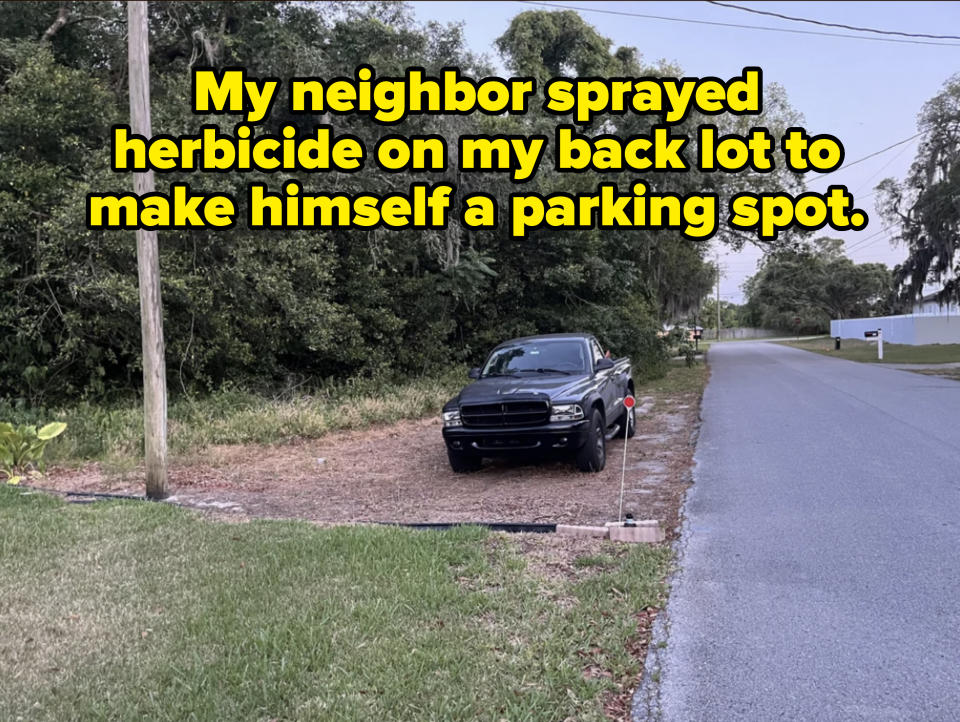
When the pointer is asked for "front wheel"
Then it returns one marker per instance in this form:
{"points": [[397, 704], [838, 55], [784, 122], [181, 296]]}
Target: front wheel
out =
{"points": [[592, 456], [463, 462]]}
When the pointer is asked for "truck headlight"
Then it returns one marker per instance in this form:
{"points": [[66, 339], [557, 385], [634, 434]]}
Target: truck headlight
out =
{"points": [[452, 418], [566, 412]]}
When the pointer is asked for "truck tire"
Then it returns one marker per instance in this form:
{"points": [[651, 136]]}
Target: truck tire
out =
{"points": [[592, 456], [463, 462], [630, 421]]}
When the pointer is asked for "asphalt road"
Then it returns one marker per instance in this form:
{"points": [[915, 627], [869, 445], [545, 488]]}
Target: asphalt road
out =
{"points": [[820, 564]]}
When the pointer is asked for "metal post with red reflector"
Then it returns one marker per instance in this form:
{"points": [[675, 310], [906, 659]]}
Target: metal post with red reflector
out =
{"points": [[628, 402]]}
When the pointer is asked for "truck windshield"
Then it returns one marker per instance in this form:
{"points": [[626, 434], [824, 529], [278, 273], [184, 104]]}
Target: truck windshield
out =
{"points": [[558, 357]]}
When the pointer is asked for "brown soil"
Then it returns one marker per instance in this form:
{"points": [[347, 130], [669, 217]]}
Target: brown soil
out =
{"points": [[400, 473]]}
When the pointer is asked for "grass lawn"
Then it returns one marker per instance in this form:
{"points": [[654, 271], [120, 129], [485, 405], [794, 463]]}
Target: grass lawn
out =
{"points": [[857, 350], [126, 610], [679, 378]]}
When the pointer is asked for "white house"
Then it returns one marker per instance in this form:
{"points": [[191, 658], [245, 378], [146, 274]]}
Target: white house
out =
{"points": [[929, 306]]}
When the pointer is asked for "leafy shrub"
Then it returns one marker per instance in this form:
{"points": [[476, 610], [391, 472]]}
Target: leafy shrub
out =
{"points": [[22, 447], [679, 339]]}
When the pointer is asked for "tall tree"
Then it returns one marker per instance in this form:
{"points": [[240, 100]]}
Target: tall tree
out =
{"points": [[548, 44], [925, 207], [815, 283]]}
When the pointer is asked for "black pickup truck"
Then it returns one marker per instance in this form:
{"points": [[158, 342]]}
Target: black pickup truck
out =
{"points": [[558, 393]]}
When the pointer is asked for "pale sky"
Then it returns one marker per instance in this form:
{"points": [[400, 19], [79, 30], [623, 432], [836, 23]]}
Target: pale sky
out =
{"points": [[866, 92]]}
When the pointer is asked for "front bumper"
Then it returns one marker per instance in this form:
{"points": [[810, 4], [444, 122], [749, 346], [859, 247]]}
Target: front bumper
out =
{"points": [[501, 440]]}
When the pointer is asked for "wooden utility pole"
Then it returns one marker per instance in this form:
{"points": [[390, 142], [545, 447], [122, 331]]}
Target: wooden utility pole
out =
{"points": [[148, 264], [718, 298]]}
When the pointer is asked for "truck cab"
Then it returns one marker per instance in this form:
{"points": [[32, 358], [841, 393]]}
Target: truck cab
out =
{"points": [[546, 395]]}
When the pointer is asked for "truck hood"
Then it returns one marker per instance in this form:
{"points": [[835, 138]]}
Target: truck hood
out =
{"points": [[558, 388]]}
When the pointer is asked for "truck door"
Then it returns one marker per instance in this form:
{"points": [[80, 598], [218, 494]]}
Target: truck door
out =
{"points": [[606, 384]]}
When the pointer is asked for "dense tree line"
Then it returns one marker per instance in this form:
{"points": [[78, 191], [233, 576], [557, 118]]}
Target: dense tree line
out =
{"points": [[802, 288], [732, 315], [257, 308]]}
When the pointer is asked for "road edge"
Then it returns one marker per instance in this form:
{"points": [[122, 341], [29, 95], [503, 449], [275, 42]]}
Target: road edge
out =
{"points": [[645, 706]]}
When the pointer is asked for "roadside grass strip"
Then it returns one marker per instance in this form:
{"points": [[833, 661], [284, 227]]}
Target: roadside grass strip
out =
{"points": [[893, 353], [680, 379], [127, 610]]}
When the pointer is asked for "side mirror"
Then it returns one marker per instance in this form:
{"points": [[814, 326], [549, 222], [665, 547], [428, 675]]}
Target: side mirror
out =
{"points": [[474, 373], [604, 364]]}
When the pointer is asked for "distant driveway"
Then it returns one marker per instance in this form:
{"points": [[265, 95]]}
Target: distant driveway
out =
{"points": [[821, 558]]}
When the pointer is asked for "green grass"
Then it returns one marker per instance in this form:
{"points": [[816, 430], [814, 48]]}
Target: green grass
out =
{"points": [[125, 610], [857, 350], [594, 561], [115, 434], [679, 378]]}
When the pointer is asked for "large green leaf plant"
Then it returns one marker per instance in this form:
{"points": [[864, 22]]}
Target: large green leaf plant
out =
{"points": [[22, 448]]}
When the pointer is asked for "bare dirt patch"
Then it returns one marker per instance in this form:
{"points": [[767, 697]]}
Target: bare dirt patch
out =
{"points": [[400, 473]]}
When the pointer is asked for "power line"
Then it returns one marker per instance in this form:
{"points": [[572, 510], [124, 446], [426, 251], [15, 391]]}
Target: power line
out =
{"points": [[867, 157], [859, 243], [624, 13], [863, 243], [831, 25], [750, 27], [872, 243], [877, 172]]}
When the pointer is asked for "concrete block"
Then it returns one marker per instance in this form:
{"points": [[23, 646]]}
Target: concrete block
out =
{"points": [[645, 531], [600, 532]]}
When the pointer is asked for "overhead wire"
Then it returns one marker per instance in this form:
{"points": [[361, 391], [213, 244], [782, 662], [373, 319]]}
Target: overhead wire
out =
{"points": [[936, 207], [859, 245], [767, 28], [866, 157], [826, 24], [863, 242], [706, 22], [877, 172]]}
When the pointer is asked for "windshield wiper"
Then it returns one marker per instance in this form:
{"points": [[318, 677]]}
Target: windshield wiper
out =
{"points": [[499, 373], [548, 371]]}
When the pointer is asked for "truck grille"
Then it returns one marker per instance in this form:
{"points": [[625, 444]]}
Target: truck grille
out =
{"points": [[506, 413]]}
